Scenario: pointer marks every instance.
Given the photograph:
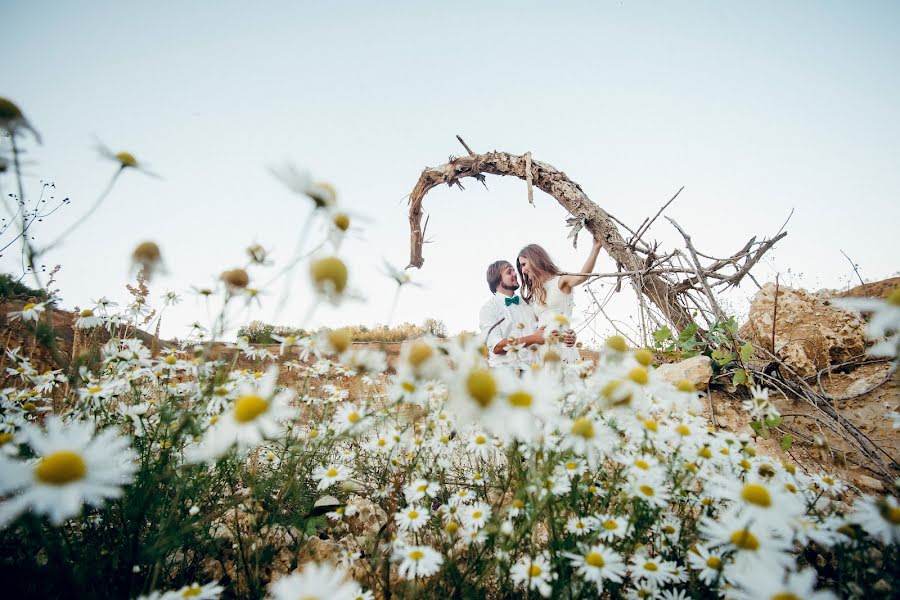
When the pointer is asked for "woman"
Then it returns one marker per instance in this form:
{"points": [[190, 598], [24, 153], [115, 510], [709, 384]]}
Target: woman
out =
{"points": [[549, 292]]}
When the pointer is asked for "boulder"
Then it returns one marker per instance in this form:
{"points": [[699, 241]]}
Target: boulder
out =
{"points": [[696, 369], [810, 333]]}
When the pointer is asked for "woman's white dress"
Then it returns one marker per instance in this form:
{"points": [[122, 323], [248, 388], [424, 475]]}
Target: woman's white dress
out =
{"points": [[558, 303]]}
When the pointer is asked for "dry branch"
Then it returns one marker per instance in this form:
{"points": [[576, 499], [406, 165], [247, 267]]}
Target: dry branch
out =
{"points": [[569, 195]]}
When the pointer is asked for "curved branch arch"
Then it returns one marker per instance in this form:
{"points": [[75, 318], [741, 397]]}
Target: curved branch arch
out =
{"points": [[569, 195]]}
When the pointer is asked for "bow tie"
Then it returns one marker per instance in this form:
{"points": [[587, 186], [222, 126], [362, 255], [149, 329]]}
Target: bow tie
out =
{"points": [[513, 300]]}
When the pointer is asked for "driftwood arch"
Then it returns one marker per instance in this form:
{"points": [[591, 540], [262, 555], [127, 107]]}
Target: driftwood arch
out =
{"points": [[569, 195]]}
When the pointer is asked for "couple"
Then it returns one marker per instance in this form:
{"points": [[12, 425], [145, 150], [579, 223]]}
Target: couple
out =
{"points": [[512, 325]]}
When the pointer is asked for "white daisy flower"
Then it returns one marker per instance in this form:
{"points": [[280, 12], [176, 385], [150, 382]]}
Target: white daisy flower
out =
{"points": [[88, 320], [879, 516], [418, 561], [610, 528], [653, 570], [420, 488], [802, 584], [534, 573], [73, 467], [710, 564], [315, 581], [259, 413], [579, 526], [597, 564], [412, 518], [328, 476], [30, 312], [476, 515], [195, 591]]}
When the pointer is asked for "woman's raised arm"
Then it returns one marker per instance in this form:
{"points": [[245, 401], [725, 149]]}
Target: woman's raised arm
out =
{"points": [[567, 282]]}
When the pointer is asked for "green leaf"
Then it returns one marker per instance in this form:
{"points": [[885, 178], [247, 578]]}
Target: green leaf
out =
{"points": [[722, 357], [731, 325], [756, 426], [746, 352], [773, 420], [786, 441], [688, 332], [662, 334], [739, 378]]}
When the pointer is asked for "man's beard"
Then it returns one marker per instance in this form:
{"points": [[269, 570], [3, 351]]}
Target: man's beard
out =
{"points": [[511, 288]]}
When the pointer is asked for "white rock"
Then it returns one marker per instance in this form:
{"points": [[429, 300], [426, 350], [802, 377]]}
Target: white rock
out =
{"points": [[696, 369]]}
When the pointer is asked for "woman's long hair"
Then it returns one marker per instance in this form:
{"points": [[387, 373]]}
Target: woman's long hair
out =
{"points": [[542, 268]]}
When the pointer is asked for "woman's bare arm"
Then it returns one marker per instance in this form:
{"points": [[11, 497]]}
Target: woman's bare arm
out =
{"points": [[567, 282]]}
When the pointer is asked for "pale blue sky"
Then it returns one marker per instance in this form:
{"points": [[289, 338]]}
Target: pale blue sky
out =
{"points": [[755, 107]]}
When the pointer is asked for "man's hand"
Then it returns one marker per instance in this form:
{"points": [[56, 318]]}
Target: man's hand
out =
{"points": [[569, 338]]}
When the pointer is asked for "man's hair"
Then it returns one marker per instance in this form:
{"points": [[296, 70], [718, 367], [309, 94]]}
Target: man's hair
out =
{"points": [[493, 273]]}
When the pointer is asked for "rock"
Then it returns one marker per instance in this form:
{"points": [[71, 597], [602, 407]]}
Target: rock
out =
{"points": [[862, 385], [869, 483], [810, 333], [696, 369], [364, 517]]}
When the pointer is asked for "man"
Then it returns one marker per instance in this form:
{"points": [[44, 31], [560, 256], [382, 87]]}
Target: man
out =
{"points": [[508, 325]]}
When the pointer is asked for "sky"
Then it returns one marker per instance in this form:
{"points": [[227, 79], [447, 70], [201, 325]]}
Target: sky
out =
{"points": [[757, 109]]}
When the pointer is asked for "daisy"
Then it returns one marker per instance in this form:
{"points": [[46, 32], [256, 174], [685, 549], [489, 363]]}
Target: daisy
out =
{"points": [[210, 591], [709, 564], [879, 516], [315, 581], [300, 181], [418, 561], [596, 564], [755, 545], [829, 484], [72, 467], [30, 312], [534, 573], [801, 584], [347, 418], [610, 528], [412, 518], [328, 476], [475, 516], [756, 499], [653, 570], [579, 526], [651, 490], [287, 341], [258, 413], [420, 488], [884, 321], [88, 320]]}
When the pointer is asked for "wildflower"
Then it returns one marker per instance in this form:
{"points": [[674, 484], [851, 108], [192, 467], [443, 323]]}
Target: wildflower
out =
{"points": [[300, 182], [579, 526], [315, 581], [258, 413], [596, 564], [328, 476], [534, 573], [287, 341], [792, 585], [418, 561], [651, 490], [420, 488], [709, 564], [210, 591], [30, 312], [759, 405], [73, 467], [329, 277], [347, 418], [609, 527], [12, 119], [879, 516], [87, 320], [412, 518], [147, 257], [476, 515], [235, 279], [884, 321], [830, 484], [652, 570]]}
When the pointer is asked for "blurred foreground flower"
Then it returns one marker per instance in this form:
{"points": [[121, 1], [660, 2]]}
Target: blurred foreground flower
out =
{"points": [[125, 160], [30, 312], [73, 468], [315, 581], [147, 258], [884, 321], [12, 119], [300, 182]]}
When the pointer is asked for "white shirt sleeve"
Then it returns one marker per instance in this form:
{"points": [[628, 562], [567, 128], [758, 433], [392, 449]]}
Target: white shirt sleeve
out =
{"points": [[487, 319]]}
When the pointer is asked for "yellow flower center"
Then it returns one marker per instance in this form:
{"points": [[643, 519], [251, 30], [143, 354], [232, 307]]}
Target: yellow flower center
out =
{"points": [[651, 566], [416, 555], [170, 359], [354, 417], [894, 296], [408, 386], [743, 539], [786, 596], [482, 387], [683, 430], [534, 571], [583, 427], [339, 339], [28, 306], [194, 590], [705, 452], [419, 352], [248, 407], [29, 407], [641, 464], [639, 375], [609, 525], [686, 386], [520, 399], [594, 559], [342, 221], [647, 490], [126, 159], [480, 439], [644, 357], [413, 514], [329, 274], [651, 425], [95, 390], [828, 480], [518, 504], [890, 513], [477, 514], [617, 343], [451, 527], [714, 562], [5, 438], [331, 472], [87, 313], [60, 468]]}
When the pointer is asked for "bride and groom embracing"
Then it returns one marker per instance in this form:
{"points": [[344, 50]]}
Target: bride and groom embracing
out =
{"points": [[513, 326]]}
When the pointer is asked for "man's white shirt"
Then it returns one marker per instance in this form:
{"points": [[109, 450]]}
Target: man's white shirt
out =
{"points": [[498, 321]]}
